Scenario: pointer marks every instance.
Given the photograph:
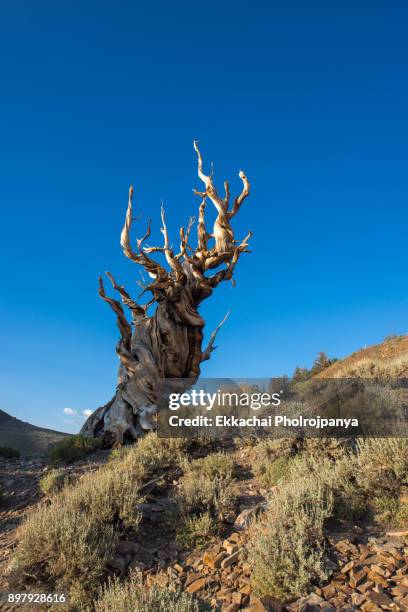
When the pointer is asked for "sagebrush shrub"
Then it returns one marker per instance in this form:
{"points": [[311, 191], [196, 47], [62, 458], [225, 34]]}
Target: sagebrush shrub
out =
{"points": [[214, 465], [54, 481], [73, 448], [196, 529], [286, 550], [339, 476], [382, 470], [9, 453], [378, 457], [154, 453], [204, 496], [133, 596], [271, 471], [66, 545]]}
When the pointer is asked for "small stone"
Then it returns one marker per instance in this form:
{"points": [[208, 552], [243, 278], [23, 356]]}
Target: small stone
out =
{"points": [[349, 566], [381, 599], [224, 593], [196, 586], [192, 577], [310, 603], [236, 600], [359, 577], [364, 552], [337, 602], [230, 547], [399, 591], [246, 589], [357, 598], [329, 591], [230, 560], [370, 560], [397, 534], [256, 605], [378, 579], [245, 518], [369, 606], [235, 537], [212, 559], [365, 586], [377, 570]]}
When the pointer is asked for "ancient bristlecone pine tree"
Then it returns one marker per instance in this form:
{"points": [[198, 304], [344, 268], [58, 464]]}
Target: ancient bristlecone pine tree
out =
{"points": [[168, 344]]}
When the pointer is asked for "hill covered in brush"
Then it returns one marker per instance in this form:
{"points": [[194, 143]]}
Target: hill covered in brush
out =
{"points": [[26, 438], [389, 358]]}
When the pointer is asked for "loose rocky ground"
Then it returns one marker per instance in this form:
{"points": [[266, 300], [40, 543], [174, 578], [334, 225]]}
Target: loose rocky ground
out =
{"points": [[369, 566]]}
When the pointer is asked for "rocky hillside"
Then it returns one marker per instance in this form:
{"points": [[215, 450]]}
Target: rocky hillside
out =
{"points": [[26, 438], [389, 357], [255, 524]]}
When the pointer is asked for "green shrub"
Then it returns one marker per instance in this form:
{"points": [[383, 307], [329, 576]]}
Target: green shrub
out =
{"points": [[331, 448], [9, 453], [215, 465], [382, 470], [66, 545], [119, 453], [197, 493], [286, 550], [73, 448], [400, 516], [54, 481], [154, 453], [204, 496], [272, 460], [132, 596], [339, 477], [287, 544], [63, 550], [271, 472], [383, 465], [196, 530]]}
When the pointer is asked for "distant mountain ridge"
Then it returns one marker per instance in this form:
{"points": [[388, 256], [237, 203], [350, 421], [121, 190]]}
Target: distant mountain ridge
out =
{"points": [[28, 439]]}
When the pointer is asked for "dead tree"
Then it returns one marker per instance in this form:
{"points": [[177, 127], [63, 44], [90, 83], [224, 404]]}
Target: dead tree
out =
{"points": [[167, 344]]}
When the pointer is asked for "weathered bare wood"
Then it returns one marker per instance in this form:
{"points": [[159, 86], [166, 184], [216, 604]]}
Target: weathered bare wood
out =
{"points": [[167, 344]]}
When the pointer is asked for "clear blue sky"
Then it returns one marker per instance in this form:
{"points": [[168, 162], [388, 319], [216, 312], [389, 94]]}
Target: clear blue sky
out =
{"points": [[310, 99]]}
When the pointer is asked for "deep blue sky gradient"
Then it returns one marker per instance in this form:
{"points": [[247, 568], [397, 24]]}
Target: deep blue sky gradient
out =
{"points": [[310, 99]]}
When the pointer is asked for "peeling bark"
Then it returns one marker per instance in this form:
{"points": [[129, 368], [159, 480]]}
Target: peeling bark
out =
{"points": [[167, 344]]}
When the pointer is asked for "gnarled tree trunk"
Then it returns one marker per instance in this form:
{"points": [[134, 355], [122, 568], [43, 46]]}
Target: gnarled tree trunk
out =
{"points": [[168, 344]]}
